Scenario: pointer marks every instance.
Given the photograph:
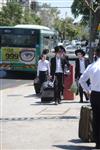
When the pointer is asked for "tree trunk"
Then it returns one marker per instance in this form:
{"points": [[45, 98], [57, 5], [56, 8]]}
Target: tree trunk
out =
{"points": [[95, 23]]}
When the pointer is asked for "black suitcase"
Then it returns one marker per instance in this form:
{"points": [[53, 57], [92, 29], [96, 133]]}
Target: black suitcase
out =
{"points": [[37, 86], [85, 124], [47, 92]]}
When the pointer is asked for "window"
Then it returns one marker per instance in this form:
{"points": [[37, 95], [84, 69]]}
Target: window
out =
{"points": [[18, 40]]}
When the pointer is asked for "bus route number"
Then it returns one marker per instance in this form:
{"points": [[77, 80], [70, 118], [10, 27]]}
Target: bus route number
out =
{"points": [[11, 56]]}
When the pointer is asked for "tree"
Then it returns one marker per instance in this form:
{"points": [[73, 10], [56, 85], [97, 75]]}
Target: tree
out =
{"points": [[48, 15], [66, 28], [82, 31], [30, 17], [84, 7], [11, 14], [90, 10], [16, 13]]}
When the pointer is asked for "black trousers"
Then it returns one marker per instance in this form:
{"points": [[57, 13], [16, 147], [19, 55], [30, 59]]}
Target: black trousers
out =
{"points": [[81, 92], [42, 76], [58, 86], [95, 103]]}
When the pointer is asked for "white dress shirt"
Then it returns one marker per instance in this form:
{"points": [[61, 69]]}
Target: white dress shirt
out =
{"points": [[43, 65], [82, 65], [93, 73], [58, 66]]}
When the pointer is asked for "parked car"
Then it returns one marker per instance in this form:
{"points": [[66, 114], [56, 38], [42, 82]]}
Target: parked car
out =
{"points": [[70, 51], [60, 43]]}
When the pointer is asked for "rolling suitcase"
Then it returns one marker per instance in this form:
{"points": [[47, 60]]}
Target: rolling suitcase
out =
{"points": [[37, 86], [85, 124], [47, 92]]}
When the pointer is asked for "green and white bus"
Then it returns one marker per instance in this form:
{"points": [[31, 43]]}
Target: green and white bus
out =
{"points": [[22, 45]]}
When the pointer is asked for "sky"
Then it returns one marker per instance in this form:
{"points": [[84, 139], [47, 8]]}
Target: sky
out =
{"points": [[59, 4]]}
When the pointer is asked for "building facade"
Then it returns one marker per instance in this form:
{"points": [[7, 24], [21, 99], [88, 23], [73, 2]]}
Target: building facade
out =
{"points": [[26, 3]]}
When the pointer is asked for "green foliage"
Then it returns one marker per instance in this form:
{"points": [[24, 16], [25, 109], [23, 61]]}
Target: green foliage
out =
{"points": [[82, 32], [66, 28], [11, 14], [29, 17], [79, 7]]}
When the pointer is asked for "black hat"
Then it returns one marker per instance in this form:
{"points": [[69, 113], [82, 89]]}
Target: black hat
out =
{"points": [[80, 51], [45, 51], [57, 49], [62, 48]]}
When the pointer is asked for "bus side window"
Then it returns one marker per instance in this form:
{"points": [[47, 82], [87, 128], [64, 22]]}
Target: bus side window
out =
{"points": [[46, 42]]}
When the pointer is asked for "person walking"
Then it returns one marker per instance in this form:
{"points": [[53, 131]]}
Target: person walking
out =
{"points": [[43, 69], [80, 65], [65, 57], [57, 71], [93, 73], [66, 66]]}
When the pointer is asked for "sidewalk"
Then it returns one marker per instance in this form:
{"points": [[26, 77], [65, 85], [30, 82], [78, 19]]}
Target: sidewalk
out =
{"points": [[29, 124]]}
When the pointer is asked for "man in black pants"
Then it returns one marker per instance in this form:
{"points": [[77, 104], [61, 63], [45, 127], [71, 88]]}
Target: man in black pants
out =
{"points": [[66, 66], [93, 73], [80, 65], [57, 71]]}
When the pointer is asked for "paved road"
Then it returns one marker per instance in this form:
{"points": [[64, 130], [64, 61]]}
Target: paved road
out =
{"points": [[28, 124], [9, 83]]}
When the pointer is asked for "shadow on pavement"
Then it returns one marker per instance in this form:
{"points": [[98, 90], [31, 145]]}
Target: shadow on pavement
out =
{"points": [[75, 141], [40, 103], [73, 101], [16, 75], [74, 147], [32, 95], [31, 118]]}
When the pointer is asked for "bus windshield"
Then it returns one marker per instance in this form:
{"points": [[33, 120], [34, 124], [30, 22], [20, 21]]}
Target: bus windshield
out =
{"points": [[18, 39]]}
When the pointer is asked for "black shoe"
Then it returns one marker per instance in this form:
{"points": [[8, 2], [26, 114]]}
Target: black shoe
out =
{"points": [[59, 102], [97, 146], [56, 103], [87, 99], [81, 100]]}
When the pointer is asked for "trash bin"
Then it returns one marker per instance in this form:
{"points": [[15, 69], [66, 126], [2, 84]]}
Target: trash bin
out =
{"points": [[68, 80]]}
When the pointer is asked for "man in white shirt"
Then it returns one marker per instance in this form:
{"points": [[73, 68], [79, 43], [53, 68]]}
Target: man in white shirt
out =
{"points": [[57, 71], [93, 73], [80, 65]]}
